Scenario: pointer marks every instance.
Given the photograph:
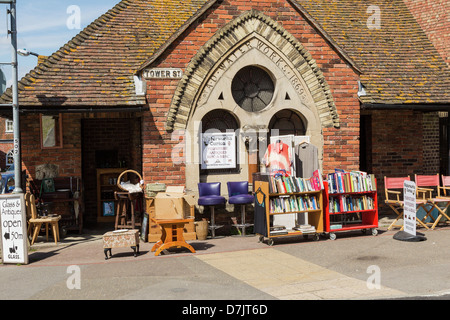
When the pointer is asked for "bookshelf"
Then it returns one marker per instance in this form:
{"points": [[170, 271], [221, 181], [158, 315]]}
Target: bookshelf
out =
{"points": [[106, 185], [308, 201], [350, 203]]}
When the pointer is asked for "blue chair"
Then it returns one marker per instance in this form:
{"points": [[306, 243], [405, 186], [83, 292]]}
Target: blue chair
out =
{"points": [[238, 194], [209, 195]]}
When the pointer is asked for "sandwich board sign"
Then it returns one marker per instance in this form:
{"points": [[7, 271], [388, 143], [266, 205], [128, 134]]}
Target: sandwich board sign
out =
{"points": [[13, 228], [409, 209]]}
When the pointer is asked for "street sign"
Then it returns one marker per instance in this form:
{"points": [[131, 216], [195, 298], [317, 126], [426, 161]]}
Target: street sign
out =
{"points": [[409, 209], [13, 228]]}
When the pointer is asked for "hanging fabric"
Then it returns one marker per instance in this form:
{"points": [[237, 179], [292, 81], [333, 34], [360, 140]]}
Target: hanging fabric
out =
{"points": [[260, 214]]}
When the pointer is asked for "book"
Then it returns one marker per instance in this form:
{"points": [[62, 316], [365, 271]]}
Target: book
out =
{"points": [[318, 175]]}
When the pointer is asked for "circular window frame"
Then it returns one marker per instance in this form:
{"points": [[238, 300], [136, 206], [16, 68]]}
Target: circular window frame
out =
{"points": [[253, 88]]}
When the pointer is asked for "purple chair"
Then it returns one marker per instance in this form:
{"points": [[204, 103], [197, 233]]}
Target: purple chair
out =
{"points": [[238, 194], [209, 195]]}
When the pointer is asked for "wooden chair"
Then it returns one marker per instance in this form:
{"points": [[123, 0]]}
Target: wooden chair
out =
{"points": [[393, 197], [35, 222], [445, 187], [427, 196]]}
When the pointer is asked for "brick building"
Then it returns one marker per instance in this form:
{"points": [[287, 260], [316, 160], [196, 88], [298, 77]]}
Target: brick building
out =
{"points": [[143, 81]]}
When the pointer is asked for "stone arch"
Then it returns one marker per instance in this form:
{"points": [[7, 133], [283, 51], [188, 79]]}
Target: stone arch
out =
{"points": [[209, 59]]}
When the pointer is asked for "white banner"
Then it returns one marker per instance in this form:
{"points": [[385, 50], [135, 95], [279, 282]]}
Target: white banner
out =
{"points": [[409, 209], [13, 228], [218, 150]]}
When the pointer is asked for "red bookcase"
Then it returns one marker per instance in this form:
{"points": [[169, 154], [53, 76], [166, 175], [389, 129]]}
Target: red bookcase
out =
{"points": [[350, 211]]}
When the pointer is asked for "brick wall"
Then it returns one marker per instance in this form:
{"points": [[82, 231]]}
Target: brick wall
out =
{"points": [[431, 143], [341, 146], [68, 158], [402, 148], [432, 15]]}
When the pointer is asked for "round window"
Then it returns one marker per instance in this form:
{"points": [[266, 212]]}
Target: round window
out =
{"points": [[252, 88]]}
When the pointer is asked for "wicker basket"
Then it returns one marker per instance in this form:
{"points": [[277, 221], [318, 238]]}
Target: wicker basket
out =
{"points": [[119, 180]]}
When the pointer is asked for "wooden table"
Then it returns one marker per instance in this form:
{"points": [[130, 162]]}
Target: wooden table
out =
{"points": [[121, 239], [172, 234]]}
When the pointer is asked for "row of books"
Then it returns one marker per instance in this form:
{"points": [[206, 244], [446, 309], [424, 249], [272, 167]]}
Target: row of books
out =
{"points": [[345, 203], [354, 181], [293, 203], [281, 184], [280, 230]]}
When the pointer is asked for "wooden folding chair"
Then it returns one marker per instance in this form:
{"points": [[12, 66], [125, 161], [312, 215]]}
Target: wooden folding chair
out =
{"points": [[444, 187], [426, 196], [393, 197]]}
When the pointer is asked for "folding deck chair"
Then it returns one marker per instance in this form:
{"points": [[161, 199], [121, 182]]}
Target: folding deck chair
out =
{"points": [[425, 195], [445, 187], [393, 197]]}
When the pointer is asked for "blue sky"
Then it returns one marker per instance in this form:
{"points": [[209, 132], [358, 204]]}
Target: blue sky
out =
{"points": [[45, 26]]}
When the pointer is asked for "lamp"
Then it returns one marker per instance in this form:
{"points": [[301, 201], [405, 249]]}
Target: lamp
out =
{"points": [[26, 53]]}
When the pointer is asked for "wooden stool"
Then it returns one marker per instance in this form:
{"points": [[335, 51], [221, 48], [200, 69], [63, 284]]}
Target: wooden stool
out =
{"points": [[172, 234], [125, 219]]}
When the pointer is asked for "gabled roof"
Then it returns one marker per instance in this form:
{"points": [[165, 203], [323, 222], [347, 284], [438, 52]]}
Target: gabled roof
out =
{"points": [[95, 69], [97, 66], [398, 62]]}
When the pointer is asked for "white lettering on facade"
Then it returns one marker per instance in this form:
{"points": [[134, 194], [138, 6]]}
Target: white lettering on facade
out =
{"points": [[259, 45]]}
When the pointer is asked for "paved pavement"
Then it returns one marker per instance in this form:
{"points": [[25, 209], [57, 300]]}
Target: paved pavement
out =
{"points": [[354, 266]]}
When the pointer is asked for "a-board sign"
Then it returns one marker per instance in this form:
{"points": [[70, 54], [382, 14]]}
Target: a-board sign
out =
{"points": [[13, 228], [409, 209]]}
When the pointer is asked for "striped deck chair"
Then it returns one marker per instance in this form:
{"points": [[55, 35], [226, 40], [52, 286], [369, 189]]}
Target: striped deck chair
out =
{"points": [[394, 197]]}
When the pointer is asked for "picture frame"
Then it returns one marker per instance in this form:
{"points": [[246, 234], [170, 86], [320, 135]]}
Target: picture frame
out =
{"points": [[144, 227], [108, 209]]}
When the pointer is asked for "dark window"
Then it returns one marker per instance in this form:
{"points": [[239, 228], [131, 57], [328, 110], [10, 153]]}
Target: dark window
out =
{"points": [[287, 122]]}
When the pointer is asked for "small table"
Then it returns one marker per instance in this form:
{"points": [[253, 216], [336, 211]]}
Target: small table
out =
{"points": [[121, 239], [172, 234]]}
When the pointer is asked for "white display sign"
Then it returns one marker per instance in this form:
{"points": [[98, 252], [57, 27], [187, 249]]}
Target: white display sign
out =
{"points": [[13, 228], [409, 209], [218, 150]]}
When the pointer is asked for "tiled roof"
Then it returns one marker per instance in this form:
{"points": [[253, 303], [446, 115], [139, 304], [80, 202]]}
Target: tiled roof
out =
{"points": [[399, 64], [96, 67]]}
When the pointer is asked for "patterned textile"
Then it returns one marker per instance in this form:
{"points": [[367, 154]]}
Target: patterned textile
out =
{"points": [[120, 239]]}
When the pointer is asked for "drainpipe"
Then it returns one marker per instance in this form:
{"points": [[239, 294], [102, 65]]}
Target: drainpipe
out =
{"points": [[15, 98]]}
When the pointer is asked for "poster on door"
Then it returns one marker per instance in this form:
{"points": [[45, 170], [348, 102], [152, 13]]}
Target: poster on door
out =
{"points": [[13, 229], [409, 209], [218, 150]]}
